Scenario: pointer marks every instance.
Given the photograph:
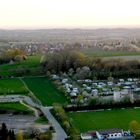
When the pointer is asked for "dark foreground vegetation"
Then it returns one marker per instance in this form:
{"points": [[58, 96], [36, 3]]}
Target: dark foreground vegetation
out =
{"points": [[6, 134]]}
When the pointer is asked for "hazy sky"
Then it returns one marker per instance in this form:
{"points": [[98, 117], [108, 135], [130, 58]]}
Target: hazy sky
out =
{"points": [[69, 13]]}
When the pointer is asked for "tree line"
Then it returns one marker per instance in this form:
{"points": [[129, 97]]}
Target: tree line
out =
{"points": [[14, 54], [75, 62]]}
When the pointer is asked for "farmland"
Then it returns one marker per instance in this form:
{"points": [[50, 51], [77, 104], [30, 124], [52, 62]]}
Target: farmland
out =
{"points": [[12, 86], [102, 53], [44, 90], [117, 118]]}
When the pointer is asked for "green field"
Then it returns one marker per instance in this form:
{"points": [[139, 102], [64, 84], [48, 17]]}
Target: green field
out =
{"points": [[117, 118], [44, 90], [31, 62], [12, 86], [41, 120], [102, 53], [14, 106]]}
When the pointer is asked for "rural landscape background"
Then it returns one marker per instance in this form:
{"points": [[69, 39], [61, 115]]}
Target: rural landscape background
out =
{"points": [[61, 71], [69, 70]]}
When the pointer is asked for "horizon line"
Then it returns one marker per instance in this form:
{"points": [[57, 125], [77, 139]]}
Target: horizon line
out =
{"points": [[74, 28]]}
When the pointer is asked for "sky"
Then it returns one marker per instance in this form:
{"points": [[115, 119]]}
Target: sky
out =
{"points": [[32, 14]]}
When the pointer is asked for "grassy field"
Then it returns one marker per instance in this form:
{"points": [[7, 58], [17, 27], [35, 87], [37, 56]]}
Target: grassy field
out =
{"points": [[12, 86], [14, 106], [44, 90], [31, 62], [119, 118], [102, 53]]}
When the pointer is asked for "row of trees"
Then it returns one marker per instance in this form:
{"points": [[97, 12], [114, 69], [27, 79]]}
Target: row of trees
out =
{"points": [[76, 62], [61, 115], [14, 54]]}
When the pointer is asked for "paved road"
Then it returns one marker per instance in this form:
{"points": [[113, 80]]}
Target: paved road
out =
{"points": [[60, 133]]}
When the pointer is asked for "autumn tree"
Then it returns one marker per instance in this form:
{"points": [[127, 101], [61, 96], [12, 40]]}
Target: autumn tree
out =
{"points": [[134, 126], [19, 135]]}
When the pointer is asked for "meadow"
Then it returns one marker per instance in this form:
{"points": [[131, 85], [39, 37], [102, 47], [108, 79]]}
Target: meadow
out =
{"points": [[31, 62], [95, 120], [12, 86], [44, 90]]}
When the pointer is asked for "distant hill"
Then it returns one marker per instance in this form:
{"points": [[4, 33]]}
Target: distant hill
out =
{"points": [[67, 35]]}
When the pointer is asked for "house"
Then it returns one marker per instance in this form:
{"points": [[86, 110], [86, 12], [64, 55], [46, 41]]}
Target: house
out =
{"points": [[68, 90], [94, 91], [73, 94], [55, 77], [121, 80], [109, 134], [88, 88], [118, 95], [94, 84], [75, 90], [130, 79], [110, 83], [127, 83], [64, 81], [88, 81]]}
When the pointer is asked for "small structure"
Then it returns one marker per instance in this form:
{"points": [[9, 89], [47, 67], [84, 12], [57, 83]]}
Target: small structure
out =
{"points": [[118, 95], [109, 134], [55, 77], [64, 81], [90, 135], [85, 136]]}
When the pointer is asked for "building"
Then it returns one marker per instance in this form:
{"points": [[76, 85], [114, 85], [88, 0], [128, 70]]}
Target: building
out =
{"points": [[109, 134]]}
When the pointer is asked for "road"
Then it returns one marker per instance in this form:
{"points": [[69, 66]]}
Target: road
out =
{"points": [[60, 133]]}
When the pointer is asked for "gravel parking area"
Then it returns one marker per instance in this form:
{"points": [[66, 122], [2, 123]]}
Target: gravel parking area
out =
{"points": [[17, 121]]}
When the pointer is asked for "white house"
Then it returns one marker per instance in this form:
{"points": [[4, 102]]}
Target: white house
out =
{"points": [[75, 90], [64, 81], [118, 95], [94, 91], [55, 77], [121, 80], [73, 94], [110, 134]]}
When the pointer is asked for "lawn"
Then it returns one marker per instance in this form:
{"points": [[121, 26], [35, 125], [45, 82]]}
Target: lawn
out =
{"points": [[14, 106], [44, 90], [117, 118], [12, 86], [31, 62]]}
